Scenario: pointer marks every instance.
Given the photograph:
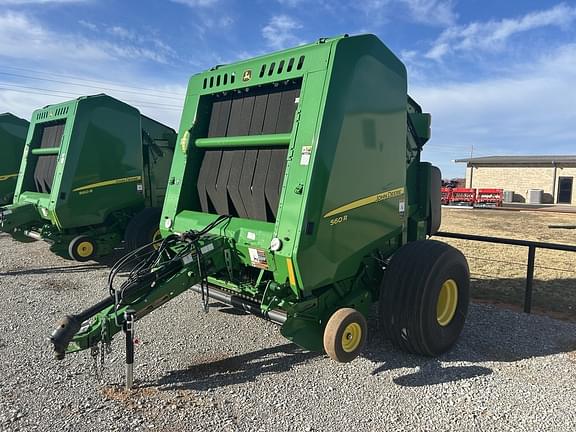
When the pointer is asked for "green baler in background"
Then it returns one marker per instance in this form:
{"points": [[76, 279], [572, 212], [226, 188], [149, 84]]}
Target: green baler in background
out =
{"points": [[94, 172], [297, 194], [12, 138]]}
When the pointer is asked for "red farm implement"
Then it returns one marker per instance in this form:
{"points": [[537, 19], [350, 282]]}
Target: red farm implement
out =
{"points": [[446, 195], [489, 197], [463, 196]]}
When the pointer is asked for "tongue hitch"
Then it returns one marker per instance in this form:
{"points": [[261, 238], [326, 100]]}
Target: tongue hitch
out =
{"points": [[61, 337]]}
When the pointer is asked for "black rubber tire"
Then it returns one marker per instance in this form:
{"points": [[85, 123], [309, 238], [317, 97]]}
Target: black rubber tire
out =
{"points": [[409, 295], [78, 252], [142, 228], [334, 333]]}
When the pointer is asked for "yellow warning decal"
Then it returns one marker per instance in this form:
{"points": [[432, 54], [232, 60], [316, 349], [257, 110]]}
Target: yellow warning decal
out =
{"points": [[108, 183], [7, 176], [185, 141], [291, 276], [382, 196]]}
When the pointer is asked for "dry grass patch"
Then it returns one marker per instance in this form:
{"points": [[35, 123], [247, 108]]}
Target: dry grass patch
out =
{"points": [[499, 271]]}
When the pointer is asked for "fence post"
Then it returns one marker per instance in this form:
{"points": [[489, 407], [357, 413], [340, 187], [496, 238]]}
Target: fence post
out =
{"points": [[529, 279]]}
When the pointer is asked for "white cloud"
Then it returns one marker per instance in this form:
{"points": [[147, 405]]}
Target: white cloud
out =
{"points": [[219, 22], [196, 3], [436, 12], [280, 32], [291, 3], [137, 37], [33, 56], [21, 36], [88, 25], [122, 32], [430, 12], [24, 37], [23, 101], [142, 39], [530, 110], [493, 35]]}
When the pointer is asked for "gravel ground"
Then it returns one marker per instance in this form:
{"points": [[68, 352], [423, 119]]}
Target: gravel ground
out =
{"points": [[226, 372]]}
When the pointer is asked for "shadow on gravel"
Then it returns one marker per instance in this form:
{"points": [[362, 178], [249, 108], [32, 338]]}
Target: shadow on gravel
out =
{"points": [[59, 269], [430, 371], [490, 335], [234, 370], [75, 267]]}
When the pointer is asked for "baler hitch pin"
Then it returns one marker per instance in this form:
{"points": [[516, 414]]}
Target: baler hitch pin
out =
{"points": [[129, 331]]}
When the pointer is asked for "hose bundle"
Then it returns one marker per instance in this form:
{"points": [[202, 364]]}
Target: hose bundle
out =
{"points": [[153, 264]]}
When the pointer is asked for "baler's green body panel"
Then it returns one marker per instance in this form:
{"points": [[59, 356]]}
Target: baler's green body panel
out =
{"points": [[363, 119], [158, 151], [12, 138], [89, 165]]}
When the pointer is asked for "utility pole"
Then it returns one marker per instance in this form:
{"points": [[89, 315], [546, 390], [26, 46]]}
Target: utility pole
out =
{"points": [[471, 166]]}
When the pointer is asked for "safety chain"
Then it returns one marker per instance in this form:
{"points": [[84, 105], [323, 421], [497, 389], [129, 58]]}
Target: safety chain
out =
{"points": [[98, 353], [94, 353]]}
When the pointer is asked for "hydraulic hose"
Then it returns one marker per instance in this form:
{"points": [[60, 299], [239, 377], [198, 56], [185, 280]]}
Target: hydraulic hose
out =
{"points": [[71, 324]]}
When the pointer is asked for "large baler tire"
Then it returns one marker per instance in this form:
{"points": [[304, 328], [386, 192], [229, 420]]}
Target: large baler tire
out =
{"points": [[143, 228], [424, 297]]}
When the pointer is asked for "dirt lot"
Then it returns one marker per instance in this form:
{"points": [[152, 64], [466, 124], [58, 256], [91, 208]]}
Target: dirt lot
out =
{"points": [[499, 271]]}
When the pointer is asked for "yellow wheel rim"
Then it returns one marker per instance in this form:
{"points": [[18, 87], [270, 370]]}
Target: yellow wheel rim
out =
{"points": [[351, 337], [157, 236], [85, 249], [447, 302]]}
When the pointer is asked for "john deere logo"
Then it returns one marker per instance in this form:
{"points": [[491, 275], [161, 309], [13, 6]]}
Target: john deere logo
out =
{"points": [[247, 75]]}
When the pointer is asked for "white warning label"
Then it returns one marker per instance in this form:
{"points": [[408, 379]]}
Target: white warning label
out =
{"points": [[305, 155], [258, 258]]}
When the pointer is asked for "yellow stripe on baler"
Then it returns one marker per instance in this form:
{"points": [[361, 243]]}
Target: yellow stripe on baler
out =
{"points": [[108, 183], [7, 176], [291, 276], [393, 193]]}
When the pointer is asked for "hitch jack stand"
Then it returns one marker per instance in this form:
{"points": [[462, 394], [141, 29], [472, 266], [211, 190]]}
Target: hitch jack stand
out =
{"points": [[129, 331]]}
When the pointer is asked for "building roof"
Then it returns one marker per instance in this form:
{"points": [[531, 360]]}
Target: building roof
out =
{"points": [[516, 160]]}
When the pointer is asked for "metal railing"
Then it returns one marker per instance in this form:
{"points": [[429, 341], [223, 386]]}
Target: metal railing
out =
{"points": [[531, 245]]}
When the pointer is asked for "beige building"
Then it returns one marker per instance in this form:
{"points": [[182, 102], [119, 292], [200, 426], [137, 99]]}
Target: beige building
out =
{"points": [[554, 175]]}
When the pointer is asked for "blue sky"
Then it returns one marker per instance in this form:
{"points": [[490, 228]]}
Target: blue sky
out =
{"points": [[498, 76]]}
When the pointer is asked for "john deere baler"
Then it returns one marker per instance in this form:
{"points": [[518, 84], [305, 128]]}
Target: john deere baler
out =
{"points": [[12, 138], [297, 193], [94, 172]]}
